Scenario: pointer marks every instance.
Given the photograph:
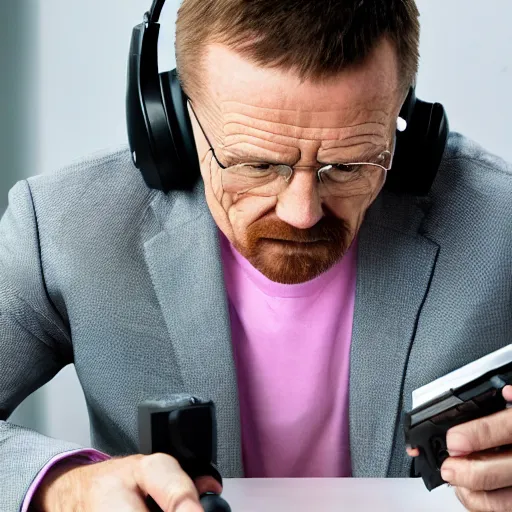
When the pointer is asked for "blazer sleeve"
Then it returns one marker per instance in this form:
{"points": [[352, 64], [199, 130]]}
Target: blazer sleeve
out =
{"points": [[34, 345]]}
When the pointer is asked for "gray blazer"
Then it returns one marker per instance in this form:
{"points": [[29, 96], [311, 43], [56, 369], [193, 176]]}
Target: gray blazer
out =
{"points": [[126, 283]]}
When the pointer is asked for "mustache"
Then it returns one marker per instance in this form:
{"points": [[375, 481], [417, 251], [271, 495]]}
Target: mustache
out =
{"points": [[323, 245], [328, 229]]}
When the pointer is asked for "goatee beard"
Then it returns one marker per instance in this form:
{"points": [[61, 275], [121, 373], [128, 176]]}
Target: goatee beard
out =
{"points": [[289, 255]]}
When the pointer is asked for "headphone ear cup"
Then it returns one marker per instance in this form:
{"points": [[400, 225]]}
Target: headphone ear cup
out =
{"points": [[151, 143], [419, 150], [187, 170], [159, 129], [138, 124]]}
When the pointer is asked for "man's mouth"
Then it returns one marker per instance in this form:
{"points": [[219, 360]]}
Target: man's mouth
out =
{"points": [[295, 243], [311, 240]]}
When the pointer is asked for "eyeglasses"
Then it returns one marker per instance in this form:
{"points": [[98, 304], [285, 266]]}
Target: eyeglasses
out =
{"points": [[268, 180]]}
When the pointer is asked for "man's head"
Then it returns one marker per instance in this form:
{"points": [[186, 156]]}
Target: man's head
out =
{"points": [[305, 84]]}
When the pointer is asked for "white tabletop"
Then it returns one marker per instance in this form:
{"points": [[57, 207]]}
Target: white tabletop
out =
{"points": [[338, 495]]}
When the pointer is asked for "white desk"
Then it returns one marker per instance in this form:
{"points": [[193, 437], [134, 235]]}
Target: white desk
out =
{"points": [[338, 495]]}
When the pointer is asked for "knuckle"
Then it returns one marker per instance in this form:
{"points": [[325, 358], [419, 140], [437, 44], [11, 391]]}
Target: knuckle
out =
{"points": [[123, 464], [484, 432], [486, 482], [143, 467], [475, 479], [148, 462]]}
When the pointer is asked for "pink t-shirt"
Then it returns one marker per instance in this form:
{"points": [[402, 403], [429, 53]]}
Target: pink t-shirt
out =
{"points": [[292, 352]]}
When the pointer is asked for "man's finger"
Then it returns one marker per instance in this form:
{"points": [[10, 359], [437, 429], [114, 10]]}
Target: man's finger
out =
{"points": [[412, 452], [481, 501], [507, 393], [482, 471], [489, 432], [161, 477]]}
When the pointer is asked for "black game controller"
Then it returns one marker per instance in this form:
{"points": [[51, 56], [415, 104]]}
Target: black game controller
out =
{"points": [[186, 430], [426, 426]]}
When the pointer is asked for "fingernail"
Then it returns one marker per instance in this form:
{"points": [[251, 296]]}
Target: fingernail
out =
{"points": [[447, 474], [457, 444], [507, 392]]}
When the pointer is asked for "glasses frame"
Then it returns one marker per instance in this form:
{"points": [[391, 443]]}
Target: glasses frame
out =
{"points": [[323, 169]]}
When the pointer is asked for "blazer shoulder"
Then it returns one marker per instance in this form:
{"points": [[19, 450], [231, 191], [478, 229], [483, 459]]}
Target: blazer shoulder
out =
{"points": [[103, 186], [471, 154], [472, 193], [471, 172], [107, 173]]}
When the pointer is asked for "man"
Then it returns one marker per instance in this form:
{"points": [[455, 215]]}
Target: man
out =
{"points": [[306, 305]]}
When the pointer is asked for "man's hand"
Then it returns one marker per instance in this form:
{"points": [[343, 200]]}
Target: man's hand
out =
{"points": [[480, 462], [122, 485]]}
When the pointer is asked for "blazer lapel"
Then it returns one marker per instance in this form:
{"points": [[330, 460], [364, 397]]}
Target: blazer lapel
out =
{"points": [[395, 265], [185, 265]]}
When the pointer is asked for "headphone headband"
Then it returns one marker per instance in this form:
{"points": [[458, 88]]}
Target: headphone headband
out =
{"points": [[156, 9]]}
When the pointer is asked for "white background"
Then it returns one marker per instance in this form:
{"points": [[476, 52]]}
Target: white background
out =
{"points": [[466, 64]]}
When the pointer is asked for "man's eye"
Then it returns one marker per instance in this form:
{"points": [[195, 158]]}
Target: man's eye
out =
{"points": [[261, 167], [346, 168]]}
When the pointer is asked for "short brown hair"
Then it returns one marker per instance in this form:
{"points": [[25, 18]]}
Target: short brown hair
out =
{"points": [[315, 38]]}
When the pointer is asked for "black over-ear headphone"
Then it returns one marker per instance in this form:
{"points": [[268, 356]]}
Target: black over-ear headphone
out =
{"points": [[162, 142]]}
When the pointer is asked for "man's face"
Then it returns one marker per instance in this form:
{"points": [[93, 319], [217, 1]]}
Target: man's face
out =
{"points": [[255, 115]]}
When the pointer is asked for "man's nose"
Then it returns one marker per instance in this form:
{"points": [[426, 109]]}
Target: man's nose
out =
{"points": [[300, 204]]}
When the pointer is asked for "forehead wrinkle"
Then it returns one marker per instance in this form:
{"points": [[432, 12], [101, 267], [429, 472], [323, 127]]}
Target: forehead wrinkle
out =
{"points": [[257, 142], [276, 147], [367, 138], [233, 117], [351, 117], [290, 132], [233, 130], [246, 107]]}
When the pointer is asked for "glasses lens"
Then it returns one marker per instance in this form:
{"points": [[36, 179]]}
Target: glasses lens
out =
{"points": [[257, 179], [350, 180]]}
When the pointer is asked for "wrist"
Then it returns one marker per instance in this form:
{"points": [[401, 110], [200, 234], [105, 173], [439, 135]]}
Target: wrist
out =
{"points": [[58, 489]]}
